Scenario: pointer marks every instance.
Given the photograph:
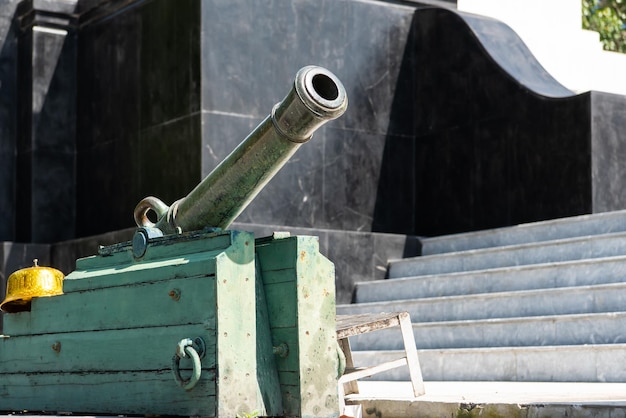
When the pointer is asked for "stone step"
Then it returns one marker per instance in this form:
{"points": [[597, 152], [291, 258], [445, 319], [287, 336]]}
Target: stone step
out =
{"points": [[607, 245], [491, 399], [577, 226], [550, 330], [575, 363], [560, 301], [535, 276]]}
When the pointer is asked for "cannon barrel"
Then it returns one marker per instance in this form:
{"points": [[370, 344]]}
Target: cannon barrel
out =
{"points": [[317, 96]]}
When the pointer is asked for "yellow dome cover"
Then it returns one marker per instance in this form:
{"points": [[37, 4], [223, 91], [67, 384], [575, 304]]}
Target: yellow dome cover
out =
{"points": [[28, 283]]}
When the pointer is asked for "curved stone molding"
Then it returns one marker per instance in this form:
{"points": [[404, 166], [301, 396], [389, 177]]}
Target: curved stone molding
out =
{"points": [[497, 140], [510, 52]]}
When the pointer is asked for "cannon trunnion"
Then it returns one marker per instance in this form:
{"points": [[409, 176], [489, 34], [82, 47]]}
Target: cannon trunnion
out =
{"points": [[187, 318]]}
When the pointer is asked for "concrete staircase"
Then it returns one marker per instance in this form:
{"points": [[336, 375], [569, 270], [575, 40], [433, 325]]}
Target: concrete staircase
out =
{"points": [[538, 302]]}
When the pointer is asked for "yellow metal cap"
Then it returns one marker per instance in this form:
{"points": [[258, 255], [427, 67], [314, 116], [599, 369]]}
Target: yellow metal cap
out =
{"points": [[28, 283]]}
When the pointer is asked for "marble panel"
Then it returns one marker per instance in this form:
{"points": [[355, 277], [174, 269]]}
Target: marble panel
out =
{"points": [[252, 51], [608, 172], [170, 39], [164, 162], [169, 160], [8, 118], [106, 191], [8, 77], [492, 149], [352, 176], [53, 100], [108, 80], [7, 196], [46, 190]]}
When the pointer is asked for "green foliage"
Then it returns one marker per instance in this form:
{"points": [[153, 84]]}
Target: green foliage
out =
{"points": [[253, 414], [608, 18]]}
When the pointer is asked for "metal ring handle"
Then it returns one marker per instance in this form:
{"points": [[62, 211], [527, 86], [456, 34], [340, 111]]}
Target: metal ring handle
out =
{"points": [[184, 349], [149, 203]]}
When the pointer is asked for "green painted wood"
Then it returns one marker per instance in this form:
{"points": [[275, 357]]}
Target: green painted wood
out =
{"points": [[277, 254], [267, 372], [192, 266], [299, 285], [107, 393], [126, 306], [317, 332], [118, 327], [176, 246], [140, 349], [172, 266], [282, 315], [236, 329], [288, 336]]}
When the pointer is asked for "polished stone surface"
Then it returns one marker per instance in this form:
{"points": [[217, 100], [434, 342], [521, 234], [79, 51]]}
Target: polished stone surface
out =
{"points": [[452, 124], [8, 118], [493, 147], [139, 123], [250, 55], [498, 399]]}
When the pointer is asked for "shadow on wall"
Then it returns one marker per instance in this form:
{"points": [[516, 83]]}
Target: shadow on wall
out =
{"points": [[8, 117], [495, 140], [46, 134]]}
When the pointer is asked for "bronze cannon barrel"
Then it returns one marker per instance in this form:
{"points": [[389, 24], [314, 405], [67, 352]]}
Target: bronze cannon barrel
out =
{"points": [[317, 96]]}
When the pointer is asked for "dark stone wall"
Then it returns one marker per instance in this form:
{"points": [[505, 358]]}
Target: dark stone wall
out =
{"points": [[497, 140], [250, 55], [608, 151], [46, 149], [8, 118], [452, 124], [139, 123]]}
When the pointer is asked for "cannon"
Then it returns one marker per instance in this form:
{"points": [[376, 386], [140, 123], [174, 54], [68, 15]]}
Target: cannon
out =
{"points": [[190, 318], [317, 96]]}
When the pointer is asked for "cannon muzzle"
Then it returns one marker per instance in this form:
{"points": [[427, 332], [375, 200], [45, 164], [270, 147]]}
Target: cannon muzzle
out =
{"points": [[317, 96]]}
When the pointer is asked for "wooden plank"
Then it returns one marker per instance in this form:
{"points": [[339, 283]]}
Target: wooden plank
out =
{"points": [[369, 371], [236, 329], [349, 325], [202, 264], [300, 291], [158, 249], [282, 315], [351, 386], [272, 253], [141, 349], [134, 306], [154, 393], [145, 273], [267, 372], [288, 336], [415, 370], [277, 276]]}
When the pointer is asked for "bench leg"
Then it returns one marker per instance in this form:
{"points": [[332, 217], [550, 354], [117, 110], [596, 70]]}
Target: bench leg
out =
{"points": [[415, 371], [352, 386]]}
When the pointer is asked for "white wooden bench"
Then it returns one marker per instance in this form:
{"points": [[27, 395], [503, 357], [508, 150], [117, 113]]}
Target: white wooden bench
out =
{"points": [[350, 325]]}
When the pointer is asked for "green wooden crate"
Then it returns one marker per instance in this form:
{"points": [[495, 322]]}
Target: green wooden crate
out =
{"points": [[107, 345]]}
